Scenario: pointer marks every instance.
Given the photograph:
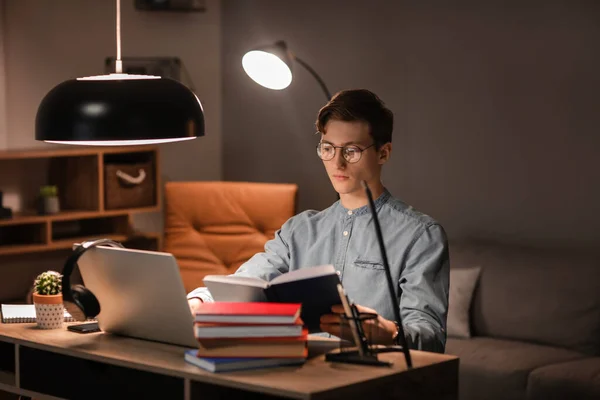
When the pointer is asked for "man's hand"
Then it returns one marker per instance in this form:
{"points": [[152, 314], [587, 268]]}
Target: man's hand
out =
{"points": [[194, 303], [378, 330]]}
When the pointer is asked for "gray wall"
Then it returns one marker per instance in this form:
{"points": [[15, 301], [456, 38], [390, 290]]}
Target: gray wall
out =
{"points": [[496, 106], [2, 81]]}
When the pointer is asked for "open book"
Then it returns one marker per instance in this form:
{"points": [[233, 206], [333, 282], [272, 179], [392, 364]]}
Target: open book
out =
{"points": [[314, 287]]}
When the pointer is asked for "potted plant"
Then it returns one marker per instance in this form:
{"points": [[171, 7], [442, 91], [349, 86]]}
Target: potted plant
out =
{"points": [[48, 202], [48, 300]]}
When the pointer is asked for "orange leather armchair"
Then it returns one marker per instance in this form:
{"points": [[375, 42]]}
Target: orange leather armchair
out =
{"points": [[214, 227]]}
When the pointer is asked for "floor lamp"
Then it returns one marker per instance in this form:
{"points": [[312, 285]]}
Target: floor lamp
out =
{"points": [[271, 66]]}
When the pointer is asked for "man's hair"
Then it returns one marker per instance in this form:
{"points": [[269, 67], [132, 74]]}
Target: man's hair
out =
{"points": [[359, 105]]}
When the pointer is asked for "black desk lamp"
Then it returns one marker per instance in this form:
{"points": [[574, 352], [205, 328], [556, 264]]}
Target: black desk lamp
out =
{"points": [[365, 354], [271, 66], [400, 338]]}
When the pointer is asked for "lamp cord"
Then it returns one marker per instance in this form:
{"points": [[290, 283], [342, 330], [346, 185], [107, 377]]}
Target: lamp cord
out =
{"points": [[316, 76], [119, 63]]}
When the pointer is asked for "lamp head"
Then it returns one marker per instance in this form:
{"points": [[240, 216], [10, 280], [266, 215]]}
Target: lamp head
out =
{"points": [[119, 109], [270, 66]]}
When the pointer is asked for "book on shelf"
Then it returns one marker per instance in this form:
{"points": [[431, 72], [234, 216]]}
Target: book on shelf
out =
{"points": [[315, 288], [248, 313], [24, 313], [236, 364]]}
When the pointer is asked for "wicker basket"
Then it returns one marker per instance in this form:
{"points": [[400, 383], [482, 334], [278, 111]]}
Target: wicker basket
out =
{"points": [[129, 185]]}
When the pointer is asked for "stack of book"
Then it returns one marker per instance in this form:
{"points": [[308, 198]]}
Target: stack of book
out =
{"points": [[234, 336]]}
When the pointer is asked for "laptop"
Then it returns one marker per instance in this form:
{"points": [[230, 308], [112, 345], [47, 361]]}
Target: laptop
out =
{"points": [[141, 294]]}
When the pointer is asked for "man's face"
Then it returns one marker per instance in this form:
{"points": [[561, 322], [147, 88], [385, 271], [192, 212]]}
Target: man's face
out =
{"points": [[346, 177]]}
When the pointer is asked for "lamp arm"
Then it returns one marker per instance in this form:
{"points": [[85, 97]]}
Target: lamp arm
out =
{"points": [[401, 338], [315, 75]]}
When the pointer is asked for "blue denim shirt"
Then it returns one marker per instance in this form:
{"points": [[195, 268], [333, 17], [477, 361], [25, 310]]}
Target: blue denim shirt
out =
{"points": [[417, 250]]}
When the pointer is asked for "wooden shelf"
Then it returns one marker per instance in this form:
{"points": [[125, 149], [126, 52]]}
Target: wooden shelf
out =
{"points": [[32, 217], [22, 248], [79, 174], [68, 243], [71, 151], [7, 378], [65, 244]]}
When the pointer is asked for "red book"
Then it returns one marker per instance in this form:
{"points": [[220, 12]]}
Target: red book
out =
{"points": [[248, 313], [279, 347], [242, 350]]}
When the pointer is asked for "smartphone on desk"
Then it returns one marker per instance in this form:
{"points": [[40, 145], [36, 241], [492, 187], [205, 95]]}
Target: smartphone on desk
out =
{"points": [[87, 327]]}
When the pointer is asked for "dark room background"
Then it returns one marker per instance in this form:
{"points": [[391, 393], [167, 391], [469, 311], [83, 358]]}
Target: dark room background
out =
{"points": [[496, 107]]}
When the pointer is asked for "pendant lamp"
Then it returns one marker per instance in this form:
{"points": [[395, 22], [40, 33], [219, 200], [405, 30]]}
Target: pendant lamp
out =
{"points": [[119, 109], [271, 66]]}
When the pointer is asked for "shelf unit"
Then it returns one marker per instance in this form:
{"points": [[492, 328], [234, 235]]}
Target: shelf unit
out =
{"points": [[79, 174]]}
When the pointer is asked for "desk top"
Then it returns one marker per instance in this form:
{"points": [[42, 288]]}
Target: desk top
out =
{"points": [[315, 376]]}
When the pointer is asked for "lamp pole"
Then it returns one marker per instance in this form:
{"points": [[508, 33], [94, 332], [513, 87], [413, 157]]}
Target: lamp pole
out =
{"points": [[316, 76]]}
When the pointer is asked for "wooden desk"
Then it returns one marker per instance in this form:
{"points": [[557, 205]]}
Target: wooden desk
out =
{"points": [[64, 364]]}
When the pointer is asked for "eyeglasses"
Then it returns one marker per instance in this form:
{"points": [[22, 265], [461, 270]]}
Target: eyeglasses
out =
{"points": [[351, 153]]}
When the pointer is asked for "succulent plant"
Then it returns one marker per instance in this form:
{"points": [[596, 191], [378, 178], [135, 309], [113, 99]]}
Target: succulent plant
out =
{"points": [[48, 283], [48, 191]]}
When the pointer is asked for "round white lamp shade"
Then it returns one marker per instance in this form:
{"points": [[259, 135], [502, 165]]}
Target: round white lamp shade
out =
{"points": [[267, 69]]}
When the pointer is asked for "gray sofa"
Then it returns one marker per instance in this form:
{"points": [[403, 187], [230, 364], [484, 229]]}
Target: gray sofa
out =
{"points": [[535, 323]]}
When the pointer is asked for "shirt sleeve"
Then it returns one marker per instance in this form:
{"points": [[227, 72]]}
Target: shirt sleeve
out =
{"points": [[424, 283], [266, 265]]}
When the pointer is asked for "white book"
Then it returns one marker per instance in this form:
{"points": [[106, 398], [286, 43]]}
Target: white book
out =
{"points": [[246, 331]]}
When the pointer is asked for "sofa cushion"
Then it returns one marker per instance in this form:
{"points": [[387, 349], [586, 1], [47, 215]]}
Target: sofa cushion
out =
{"points": [[578, 379], [462, 286], [545, 296], [498, 369]]}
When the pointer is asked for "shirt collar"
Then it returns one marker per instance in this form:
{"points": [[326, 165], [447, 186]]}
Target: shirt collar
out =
{"points": [[381, 200]]}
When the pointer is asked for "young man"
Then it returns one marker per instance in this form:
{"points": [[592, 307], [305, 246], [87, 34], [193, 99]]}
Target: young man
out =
{"points": [[355, 131]]}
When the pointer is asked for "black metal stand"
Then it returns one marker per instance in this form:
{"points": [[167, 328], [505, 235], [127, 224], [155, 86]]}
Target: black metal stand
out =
{"points": [[365, 352], [354, 357]]}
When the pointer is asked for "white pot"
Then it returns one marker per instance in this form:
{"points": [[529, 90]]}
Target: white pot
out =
{"points": [[49, 311]]}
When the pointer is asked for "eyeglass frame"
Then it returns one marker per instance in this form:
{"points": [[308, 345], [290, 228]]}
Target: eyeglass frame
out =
{"points": [[343, 147]]}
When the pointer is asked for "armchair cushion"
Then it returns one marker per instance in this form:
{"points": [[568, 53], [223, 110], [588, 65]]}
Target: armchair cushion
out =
{"points": [[214, 227]]}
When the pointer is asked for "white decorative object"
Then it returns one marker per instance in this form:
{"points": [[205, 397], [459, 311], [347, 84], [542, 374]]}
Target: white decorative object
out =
{"points": [[50, 316]]}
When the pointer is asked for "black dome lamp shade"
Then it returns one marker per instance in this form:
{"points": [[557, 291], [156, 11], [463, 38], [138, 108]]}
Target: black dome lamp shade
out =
{"points": [[119, 109]]}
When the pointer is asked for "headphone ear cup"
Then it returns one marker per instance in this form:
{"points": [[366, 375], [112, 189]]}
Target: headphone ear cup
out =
{"points": [[82, 303]]}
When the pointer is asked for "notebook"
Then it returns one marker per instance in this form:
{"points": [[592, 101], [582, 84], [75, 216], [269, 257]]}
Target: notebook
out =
{"points": [[23, 313]]}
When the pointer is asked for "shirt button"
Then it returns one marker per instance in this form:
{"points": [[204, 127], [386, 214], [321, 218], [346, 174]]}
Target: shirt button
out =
{"points": [[349, 212], [345, 233]]}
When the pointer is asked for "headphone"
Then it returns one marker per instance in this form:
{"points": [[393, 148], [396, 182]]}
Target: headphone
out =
{"points": [[79, 301]]}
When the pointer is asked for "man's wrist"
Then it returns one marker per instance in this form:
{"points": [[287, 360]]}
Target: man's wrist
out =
{"points": [[396, 332], [390, 332]]}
